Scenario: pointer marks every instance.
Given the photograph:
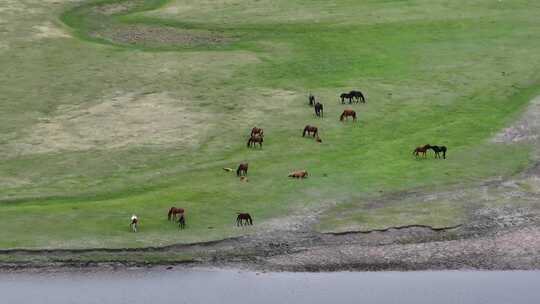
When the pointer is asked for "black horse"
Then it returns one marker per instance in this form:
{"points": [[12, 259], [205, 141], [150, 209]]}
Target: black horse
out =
{"points": [[311, 100], [244, 217], [182, 221], [346, 96], [319, 109], [357, 96], [438, 150]]}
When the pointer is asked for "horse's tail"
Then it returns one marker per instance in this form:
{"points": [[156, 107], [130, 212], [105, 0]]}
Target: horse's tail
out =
{"points": [[354, 115], [304, 133], [443, 148], [341, 117], [249, 141], [169, 214]]}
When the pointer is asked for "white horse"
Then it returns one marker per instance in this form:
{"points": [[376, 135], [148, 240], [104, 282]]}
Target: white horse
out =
{"points": [[134, 223]]}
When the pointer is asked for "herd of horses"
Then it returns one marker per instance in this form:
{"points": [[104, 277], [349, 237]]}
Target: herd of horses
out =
{"points": [[257, 137], [422, 150], [178, 215]]}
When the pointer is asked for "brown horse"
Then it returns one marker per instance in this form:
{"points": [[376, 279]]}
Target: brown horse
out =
{"points": [[255, 139], [319, 111], [242, 169], [257, 131], [174, 212], [299, 174], [346, 113], [421, 150], [243, 217], [310, 130]]}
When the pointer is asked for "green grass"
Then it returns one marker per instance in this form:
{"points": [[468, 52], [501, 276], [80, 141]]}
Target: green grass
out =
{"points": [[432, 72]]}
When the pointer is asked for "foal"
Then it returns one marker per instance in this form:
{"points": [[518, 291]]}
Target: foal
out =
{"points": [[182, 221]]}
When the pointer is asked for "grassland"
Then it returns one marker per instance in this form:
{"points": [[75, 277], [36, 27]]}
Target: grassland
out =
{"points": [[95, 127]]}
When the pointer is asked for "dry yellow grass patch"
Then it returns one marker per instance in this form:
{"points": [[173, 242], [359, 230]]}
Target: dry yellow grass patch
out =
{"points": [[126, 120]]}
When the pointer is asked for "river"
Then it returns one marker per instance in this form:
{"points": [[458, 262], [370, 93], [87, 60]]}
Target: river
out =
{"points": [[230, 286]]}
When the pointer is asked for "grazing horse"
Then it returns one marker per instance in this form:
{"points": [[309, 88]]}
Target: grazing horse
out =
{"points": [[346, 113], [358, 96], [422, 149], [257, 131], [311, 100], [438, 150], [346, 96], [310, 130], [242, 169], [243, 217], [182, 221], [299, 174], [134, 223], [174, 212], [255, 139], [319, 109]]}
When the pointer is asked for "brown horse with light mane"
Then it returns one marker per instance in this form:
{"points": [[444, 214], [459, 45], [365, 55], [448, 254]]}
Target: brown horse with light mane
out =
{"points": [[299, 174], [421, 150], [346, 113], [174, 213], [310, 130]]}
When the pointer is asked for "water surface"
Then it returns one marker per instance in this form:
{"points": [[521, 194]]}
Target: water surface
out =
{"points": [[229, 286]]}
